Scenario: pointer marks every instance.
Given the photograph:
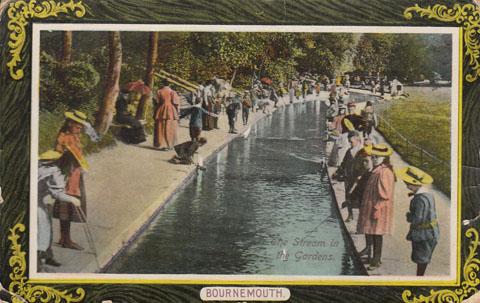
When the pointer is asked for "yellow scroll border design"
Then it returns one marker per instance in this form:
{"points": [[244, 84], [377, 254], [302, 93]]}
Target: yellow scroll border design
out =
{"points": [[465, 15], [19, 282], [468, 285], [20, 13]]}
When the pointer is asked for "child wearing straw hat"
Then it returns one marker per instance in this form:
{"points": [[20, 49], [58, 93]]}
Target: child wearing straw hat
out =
{"points": [[51, 183], [375, 217], [68, 142], [424, 231]]}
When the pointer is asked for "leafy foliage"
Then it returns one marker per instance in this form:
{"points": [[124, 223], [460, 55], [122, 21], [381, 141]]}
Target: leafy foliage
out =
{"points": [[409, 57], [72, 86]]}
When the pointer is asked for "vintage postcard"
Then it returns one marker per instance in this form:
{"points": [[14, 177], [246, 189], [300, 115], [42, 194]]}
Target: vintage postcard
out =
{"points": [[239, 154]]}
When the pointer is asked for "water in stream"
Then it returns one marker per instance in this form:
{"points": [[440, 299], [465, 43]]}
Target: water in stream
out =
{"points": [[261, 207]]}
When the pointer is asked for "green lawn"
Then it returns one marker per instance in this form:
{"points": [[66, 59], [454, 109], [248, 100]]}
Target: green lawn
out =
{"points": [[424, 119]]}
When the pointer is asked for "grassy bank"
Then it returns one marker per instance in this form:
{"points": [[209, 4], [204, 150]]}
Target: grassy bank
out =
{"points": [[424, 120]]}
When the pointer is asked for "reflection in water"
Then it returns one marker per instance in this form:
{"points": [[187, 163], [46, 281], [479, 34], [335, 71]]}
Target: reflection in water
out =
{"points": [[261, 207]]}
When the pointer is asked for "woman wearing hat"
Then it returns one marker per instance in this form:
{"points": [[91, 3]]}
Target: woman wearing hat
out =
{"points": [[68, 142], [51, 183], [376, 212], [424, 231]]}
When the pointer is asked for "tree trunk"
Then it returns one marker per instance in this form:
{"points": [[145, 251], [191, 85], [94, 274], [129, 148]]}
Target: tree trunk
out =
{"points": [[112, 88], [67, 48], [151, 61], [233, 76]]}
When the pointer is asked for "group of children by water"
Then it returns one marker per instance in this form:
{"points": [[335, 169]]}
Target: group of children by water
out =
{"points": [[369, 180]]}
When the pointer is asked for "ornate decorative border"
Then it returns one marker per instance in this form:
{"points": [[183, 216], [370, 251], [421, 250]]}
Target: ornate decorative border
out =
{"points": [[20, 13], [467, 16], [19, 282], [470, 276]]}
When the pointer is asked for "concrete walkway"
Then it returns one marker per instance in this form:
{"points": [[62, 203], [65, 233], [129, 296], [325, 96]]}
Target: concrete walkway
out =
{"points": [[396, 249], [126, 187]]}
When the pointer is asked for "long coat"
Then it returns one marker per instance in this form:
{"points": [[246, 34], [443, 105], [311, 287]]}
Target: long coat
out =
{"points": [[376, 211], [423, 218], [166, 118]]}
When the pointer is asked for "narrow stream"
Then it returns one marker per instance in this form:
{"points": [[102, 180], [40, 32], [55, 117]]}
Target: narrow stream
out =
{"points": [[261, 207]]}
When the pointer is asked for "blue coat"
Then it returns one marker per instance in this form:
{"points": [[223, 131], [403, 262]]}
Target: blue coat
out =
{"points": [[422, 218]]}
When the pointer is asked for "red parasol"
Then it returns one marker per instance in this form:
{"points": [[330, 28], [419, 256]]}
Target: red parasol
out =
{"points": [[266, 80], [138, 86]]}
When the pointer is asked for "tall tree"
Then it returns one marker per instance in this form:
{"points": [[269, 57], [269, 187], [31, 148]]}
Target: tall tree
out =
{"points": [[67, 48], [112, 88], [149, 78], [373, 52]]}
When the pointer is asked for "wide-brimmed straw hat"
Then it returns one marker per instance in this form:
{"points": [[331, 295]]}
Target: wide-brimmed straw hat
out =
{"points": [[78, 156], [413, 175], [381, 150], [77, 116], [50, 155], [348, 124]]}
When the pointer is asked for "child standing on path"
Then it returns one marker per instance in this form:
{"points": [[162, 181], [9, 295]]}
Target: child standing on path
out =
{"points": [[424, 231]]}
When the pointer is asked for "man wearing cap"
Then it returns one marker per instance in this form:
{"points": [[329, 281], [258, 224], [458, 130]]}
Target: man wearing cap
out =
{"points": [[51, 184], [375, 217], [424, 231]]}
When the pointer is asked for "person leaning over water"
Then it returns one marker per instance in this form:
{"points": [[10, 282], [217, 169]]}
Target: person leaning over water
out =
{"points": [[376, 212], [186, 150], [422, 216]]}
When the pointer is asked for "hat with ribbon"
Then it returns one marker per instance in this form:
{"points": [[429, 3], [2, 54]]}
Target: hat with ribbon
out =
{"points": [[413, 175], [381, 150], [77, 116], [50, 155]]}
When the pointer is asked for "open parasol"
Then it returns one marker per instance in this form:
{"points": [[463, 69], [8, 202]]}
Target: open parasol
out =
{"points": [[138, 86]]}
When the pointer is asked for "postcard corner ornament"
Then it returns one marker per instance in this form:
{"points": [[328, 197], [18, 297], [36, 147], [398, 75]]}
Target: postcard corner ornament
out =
{"points": [[25, 291], [465, 15], [19, 14], [468, 285]]}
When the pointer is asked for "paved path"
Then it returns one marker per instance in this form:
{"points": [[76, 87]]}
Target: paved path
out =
{"points": [[396, 249], [126, 186]]}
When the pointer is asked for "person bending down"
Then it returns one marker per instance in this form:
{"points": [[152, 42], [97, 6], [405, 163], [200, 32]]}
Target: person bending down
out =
{"points": [[186, 150]]}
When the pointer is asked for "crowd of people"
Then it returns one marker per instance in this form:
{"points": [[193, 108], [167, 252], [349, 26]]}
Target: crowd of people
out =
{"points": [[364, 166]]}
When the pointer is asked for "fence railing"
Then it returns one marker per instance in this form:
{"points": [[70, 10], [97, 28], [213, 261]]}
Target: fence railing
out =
{"points": [[417, 156]]}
